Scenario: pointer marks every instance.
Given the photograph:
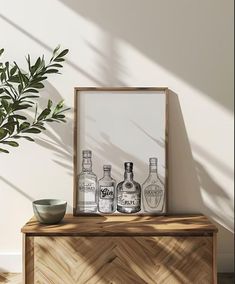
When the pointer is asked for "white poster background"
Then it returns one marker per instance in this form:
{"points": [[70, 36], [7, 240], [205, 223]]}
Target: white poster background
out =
{"points": [[120, 126]]}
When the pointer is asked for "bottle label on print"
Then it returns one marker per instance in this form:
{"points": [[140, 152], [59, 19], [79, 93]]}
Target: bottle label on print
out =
{"points": [[87, 192], [127, 199], [153, 195], [106, 192]]}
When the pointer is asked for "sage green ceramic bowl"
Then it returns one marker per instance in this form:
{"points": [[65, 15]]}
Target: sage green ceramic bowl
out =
{"points": [[49, 211]]}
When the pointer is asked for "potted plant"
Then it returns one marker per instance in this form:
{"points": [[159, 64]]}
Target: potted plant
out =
{"points": [[19, 91]]}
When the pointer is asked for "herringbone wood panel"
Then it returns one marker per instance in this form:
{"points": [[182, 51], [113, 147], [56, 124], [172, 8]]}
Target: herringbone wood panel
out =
{"points": [[119, 260], [16, 278]]}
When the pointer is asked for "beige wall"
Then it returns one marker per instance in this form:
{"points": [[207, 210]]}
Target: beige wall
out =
{"points": [[185, 45]]}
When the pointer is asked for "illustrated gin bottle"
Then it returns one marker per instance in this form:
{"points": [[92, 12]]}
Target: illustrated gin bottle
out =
{"points": [[87, 186], [106, 192], [128, 192], [153, 190]]}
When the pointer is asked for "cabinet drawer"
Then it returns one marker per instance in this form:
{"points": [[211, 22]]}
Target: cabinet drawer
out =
{"points": [[105, 259]]}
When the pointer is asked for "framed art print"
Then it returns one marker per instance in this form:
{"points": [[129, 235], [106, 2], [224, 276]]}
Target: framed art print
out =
{"points": [[120, 151]]}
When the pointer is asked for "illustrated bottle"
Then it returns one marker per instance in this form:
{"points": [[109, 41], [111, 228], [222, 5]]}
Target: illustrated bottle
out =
{"points": [[153, 192], [87, 186], [128, 192], [106, 192]]}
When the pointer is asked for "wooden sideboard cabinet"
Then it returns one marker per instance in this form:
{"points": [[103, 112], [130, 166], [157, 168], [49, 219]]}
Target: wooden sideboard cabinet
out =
{"points": [[126, 249]]}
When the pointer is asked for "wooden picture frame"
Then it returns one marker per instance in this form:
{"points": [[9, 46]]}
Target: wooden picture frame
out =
{"points": [[96, 107]]}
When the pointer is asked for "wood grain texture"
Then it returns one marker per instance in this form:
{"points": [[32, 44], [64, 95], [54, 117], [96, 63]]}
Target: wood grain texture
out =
{"points": [[167, 150], [214, 258], [10, 278], [108, 89], [124, 225], [76, 129], [28, 259], [15, 278], [92, 260]]}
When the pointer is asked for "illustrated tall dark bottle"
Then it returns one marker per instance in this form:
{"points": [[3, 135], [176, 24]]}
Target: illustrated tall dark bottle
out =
{"points": [[153, 191], [87, 186], [128, 192]]}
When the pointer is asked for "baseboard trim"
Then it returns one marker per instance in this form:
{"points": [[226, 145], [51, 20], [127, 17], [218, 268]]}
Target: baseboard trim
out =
{"points": [[10, 262], [225, 262]]}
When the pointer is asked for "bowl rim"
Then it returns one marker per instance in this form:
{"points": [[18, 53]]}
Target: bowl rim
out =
{"points": [[60, 202]]}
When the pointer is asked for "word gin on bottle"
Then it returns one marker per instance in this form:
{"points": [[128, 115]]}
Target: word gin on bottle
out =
{"points": [[87, 186], [129, 192], [153, 192], [106, 192]]}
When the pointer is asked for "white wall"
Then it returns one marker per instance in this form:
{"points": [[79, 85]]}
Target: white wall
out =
{"points": [[185, 45]]}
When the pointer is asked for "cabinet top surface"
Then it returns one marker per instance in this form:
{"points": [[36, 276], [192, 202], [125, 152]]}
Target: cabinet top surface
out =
{"points": [[123, 225]]}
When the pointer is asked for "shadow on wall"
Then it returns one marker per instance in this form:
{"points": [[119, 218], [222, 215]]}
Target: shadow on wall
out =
{"points": [[56, 140], [188, 178], [193, 40], [17, 189], [48, 48]]}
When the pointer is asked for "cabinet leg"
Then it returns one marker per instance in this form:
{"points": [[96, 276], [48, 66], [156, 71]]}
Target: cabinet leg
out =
{"points": [[28, 259]]}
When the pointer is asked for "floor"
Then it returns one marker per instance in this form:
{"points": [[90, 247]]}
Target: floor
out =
{"points": [[11, 278], [15, 278], [226, 278]]}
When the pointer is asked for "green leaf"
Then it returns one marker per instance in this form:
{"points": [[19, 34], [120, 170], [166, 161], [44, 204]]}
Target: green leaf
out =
{"points": [[63, 110], [31, 91], [25, 137], [29, 63], [56, 65], [17, 116], [3, 76], [52, 71], [56, 49], [59, 59], [1, 51], [36, 65], [14, 79], [58, 107], [49, 104], [9, 126], [44, 113], [7, 66], [9, 93], [28, 138], [5, 105], [13, 70], [3, 133], [1, 118], [3, 150], [5, 97], [25, 79], [25, 106], [38, 86], [24, 125], [32, 130], [38, 79], [20, 88], [63, 53], [59, 116], [11, 143]]}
